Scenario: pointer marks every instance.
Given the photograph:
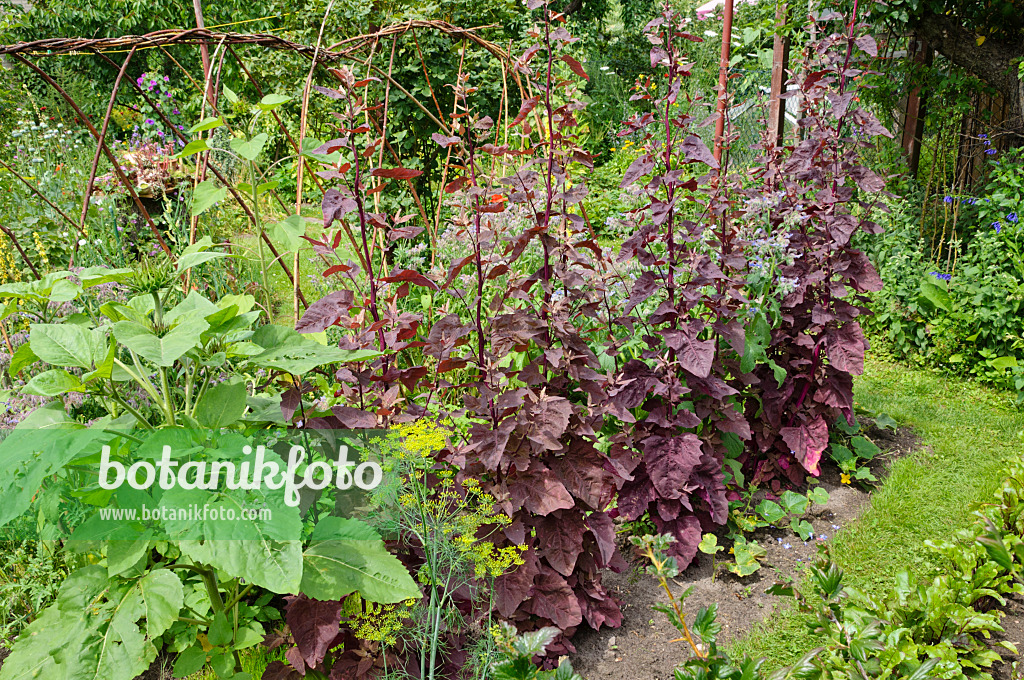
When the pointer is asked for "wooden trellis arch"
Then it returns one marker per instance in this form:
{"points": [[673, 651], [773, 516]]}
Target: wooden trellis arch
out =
{"points": [[357, 50]]}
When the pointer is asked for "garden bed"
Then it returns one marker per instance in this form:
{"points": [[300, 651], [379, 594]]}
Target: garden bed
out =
{"points": [[647, 645]]}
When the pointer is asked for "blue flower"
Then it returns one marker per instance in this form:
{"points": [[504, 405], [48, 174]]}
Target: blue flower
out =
{"points": [[1012, 217], [947, 199], [150, 121], [983, 136], [990, 151], [787, 546], [998, 227]]}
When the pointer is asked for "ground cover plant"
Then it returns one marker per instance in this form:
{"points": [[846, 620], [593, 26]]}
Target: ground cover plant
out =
{"points": [[481, 392]]}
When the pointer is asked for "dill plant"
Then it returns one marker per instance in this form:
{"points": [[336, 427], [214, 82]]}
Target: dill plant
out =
{"points": [[444, 522]]}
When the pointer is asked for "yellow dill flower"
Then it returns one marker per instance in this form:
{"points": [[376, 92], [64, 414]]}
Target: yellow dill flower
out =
{"points": [[41, 249]]}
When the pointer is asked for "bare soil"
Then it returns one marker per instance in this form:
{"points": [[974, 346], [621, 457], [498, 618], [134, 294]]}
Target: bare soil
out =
{"points": [[647, 646]]}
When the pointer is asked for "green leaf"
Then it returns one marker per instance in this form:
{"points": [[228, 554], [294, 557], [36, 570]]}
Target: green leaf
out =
{"points": [[51, 383], [249, 149], [353, 559], [90, 633], [267, 186], [123, 555], [290, 231], [304, 357], [190, 661], [205, 195], [22, 357], [709, 544], [758, 337], [772, 512], [263, 551], [193, 147], [794, 503], [160, 351], [884, 421], [841, 454], [65, 291], [222, 405], [96, 276], [1003, 363], [272, 101], [802, 528], [230, 95], [194, 306], [937, 295], [864, 447], [164, 596], [66, 344], [818, 495], [197, 253], [39, 447], [220, 630], [205, 124], [747, 558]]}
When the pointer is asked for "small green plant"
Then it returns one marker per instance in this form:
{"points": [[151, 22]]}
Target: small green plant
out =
{"points": [[851, 451], [519, 651], [789, 511], [708, 661], [709, 546]]}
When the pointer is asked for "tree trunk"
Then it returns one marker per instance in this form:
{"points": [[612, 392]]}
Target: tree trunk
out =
{"points": [[994, 61]]}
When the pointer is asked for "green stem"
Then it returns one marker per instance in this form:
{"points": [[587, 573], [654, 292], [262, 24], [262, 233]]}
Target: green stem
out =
{"points": [[238, 598], [168, 407], [212, 589], [138, 416], [199, 395], [259, 238]]}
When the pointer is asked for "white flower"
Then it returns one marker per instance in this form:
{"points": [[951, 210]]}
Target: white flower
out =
{"points": [[82, 242]]}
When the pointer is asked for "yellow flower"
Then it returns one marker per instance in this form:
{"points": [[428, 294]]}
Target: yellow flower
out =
{"points": [[844, 478]]}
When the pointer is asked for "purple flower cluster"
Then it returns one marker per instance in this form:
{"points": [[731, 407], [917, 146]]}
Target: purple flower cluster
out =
{"points": [[944, 277]]}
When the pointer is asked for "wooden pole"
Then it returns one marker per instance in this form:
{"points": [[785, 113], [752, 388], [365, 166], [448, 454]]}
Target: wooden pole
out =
{"points": [[780, 64], [204, 51], [723, 77], [913, 120]]}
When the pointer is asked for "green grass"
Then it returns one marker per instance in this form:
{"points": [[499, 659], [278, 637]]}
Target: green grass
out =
{"points": [[968, 434]]}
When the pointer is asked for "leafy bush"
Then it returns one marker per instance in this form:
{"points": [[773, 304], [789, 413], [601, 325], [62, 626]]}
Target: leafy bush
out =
{"points": [[962, 314]]}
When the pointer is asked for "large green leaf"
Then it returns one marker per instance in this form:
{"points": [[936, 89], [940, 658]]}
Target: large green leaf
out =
{"points": [[163, 595], [205, 195], [95, 276], [39, 447], [51, 383], [61, 344], [937, 295], [98, 629], [194, 305], [249, 149], [162, 351], [222, 405], [272, 101], [206, 124], [347, 556], [266, 552], [290, 231], [23, 356], [197, 253], [305, 356]]}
